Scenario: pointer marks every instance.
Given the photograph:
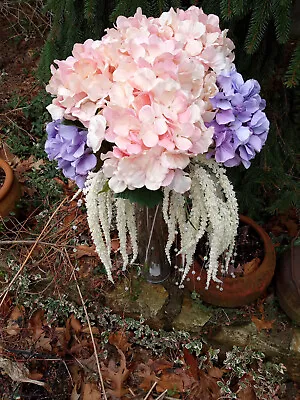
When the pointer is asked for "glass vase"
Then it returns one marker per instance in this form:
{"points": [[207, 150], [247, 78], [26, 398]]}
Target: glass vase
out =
{"points": [[152, 236]]}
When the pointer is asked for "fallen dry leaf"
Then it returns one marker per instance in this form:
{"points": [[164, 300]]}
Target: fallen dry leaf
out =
{"points": [[84, 250], [75, 324], [246, 393], [251, 266], [90, 391], [16, 320], [192, 362], [43, 343], [262, 324], [147, 375], [27, 165], [215, 372], [75, 395], [119, 339], [160, 365], [70, 218], [170, 381], [35, 324], [17, 371], [8, 156], [206, 389], [72, 324], [116, 376]]}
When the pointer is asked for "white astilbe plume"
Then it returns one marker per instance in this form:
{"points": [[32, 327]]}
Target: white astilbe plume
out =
{"points": [[210, 207], [94, 202], [132, 231], [122, 229], [102, 209]]}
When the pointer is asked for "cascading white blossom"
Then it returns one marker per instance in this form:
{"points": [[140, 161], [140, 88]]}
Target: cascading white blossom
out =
{"points": [[209, 207], [104, 211]]}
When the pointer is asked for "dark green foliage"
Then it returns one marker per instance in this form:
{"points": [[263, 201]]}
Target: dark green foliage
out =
{"points": [[258, 25], [281, 11], [292, 77], [142, 196]]}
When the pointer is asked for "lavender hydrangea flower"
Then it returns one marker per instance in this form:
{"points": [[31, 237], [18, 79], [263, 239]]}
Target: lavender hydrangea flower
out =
{"points": [[67, 145], [241, 127]]}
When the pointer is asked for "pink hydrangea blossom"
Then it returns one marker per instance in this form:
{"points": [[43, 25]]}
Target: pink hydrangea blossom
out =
{"points": [[145, 88]]}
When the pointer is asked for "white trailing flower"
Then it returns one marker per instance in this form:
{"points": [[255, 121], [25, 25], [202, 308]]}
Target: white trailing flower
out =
{"points": [[94, 203], [102, 209], [210, 207]]}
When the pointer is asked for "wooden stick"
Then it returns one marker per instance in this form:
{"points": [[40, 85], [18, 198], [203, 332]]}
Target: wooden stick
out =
{"points": [[90, 328]]}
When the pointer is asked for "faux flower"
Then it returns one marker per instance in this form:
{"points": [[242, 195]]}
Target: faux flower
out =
{"points": [[144, 87], [67, 145], [155, 91], [240, 125]]}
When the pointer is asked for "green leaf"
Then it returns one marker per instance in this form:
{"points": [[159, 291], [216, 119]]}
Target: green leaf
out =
{"points": [[143, 196], [105, 188]]}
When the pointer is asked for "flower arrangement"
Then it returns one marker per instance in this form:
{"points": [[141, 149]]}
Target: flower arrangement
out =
{"points": [[156, 107]]}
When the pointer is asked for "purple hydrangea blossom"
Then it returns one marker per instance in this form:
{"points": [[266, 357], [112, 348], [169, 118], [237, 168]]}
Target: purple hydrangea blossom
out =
{"points": [[241, 127], [67, 145]]}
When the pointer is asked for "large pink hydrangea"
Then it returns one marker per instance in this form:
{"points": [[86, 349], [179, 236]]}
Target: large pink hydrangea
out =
{"points": [[145, 87]]}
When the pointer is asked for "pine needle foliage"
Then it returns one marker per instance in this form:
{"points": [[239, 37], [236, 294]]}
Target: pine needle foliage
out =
{"points": [[258, 25], [292, 77]]}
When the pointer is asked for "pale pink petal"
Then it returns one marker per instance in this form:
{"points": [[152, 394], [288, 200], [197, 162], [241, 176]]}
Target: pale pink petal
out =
{"points": [[181, 182], [96, 132], [56, 112], [182, 143], [144, 79], [174, 160]]}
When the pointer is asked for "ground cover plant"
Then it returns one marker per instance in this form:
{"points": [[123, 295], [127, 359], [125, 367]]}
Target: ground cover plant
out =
{"points": [[58, 338]]}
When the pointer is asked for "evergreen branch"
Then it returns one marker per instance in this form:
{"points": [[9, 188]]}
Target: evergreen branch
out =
{"points": [[226, 9], [211, 6], [258, 25], [241, 7], [281, 10], [89, 9], [175, 4], [292, 76]]}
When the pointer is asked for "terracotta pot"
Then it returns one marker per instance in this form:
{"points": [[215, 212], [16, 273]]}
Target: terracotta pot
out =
{"points": [[10, 191], [238, 291], [288, 283]]}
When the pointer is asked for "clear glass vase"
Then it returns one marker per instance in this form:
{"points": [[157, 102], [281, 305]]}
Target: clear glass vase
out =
{"points": [[152, 235]]}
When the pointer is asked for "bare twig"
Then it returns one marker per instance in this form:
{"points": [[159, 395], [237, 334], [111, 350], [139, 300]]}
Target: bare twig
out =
{"points": [[162, 396], [150, 391], [4, 294], [5, 242], [90, 327]]}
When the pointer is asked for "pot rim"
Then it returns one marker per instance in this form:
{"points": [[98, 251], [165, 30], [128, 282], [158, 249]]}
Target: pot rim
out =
{"points": [[9, 178]]}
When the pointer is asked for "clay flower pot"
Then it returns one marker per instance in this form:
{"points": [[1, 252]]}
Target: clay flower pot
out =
{"points": [[237, 291], [288, 282], [10, 191]]}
